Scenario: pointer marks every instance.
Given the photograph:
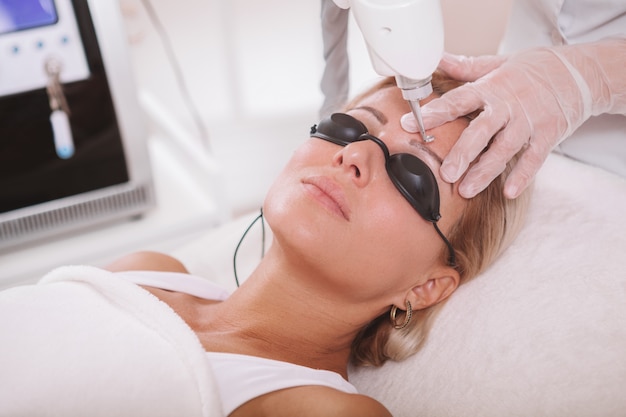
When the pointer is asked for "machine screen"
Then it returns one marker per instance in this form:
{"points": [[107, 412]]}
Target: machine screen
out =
{"points": [[18, 15]]}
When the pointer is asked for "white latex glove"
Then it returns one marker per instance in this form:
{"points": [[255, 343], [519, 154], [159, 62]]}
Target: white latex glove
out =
{"points": [[531, 100]]}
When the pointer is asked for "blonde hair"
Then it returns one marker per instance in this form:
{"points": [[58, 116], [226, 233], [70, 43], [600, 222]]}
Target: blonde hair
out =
{"points": [[488, 224]]}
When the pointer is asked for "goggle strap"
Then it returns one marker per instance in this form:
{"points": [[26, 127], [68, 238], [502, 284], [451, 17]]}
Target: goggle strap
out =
{"points": [[452, 256]]}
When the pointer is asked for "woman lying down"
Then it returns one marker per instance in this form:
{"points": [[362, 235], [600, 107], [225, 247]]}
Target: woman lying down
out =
{"points": [[368, 242]]}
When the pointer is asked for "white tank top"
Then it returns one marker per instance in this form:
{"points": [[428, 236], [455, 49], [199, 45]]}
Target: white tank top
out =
{"points": [[240, 378]]}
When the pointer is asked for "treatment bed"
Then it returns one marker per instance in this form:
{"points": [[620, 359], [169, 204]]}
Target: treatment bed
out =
{"points": [[540, 333]]}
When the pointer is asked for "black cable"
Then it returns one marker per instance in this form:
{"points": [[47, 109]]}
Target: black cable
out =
{"points": [[260, 216], [452, 255], [178, 74]]}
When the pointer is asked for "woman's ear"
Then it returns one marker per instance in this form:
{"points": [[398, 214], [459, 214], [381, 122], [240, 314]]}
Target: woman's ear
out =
{"points": [[436, 289]]}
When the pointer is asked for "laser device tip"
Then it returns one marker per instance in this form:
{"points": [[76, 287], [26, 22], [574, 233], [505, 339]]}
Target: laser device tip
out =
{"points": [[417, 112]]}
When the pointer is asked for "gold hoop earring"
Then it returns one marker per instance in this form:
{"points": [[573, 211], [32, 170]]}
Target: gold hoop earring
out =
{"points": [[407, 317]]}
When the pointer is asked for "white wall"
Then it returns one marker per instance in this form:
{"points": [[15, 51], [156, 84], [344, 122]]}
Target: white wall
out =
{"points": [[474, 27], [249, 58]]}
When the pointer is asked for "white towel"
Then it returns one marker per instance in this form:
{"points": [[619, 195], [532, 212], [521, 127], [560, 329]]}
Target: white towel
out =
{"points": [[83, 343]]}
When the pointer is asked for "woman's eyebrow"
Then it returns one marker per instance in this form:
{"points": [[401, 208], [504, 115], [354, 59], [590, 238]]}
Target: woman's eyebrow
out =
{"points": [[426, 149], [382, 119]]}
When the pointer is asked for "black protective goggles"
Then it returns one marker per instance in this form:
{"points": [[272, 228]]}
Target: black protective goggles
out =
{"points": [[410, 175]]}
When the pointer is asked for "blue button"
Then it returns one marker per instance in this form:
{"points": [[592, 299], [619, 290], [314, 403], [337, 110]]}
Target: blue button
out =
{"points": [[15, 49]]}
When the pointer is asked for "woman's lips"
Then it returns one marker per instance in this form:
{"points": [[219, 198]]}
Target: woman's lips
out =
{"points": [[329, 194]]}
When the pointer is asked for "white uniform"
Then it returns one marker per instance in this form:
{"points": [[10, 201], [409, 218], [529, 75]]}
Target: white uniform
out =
{"points": [[600, 141]]}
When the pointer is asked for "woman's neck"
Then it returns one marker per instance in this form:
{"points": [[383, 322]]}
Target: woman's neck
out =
{"points": [[284, 312]]}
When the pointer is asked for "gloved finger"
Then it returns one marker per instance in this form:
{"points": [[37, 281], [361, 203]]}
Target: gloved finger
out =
{"points": [[455, 103], [408, 123], [480, 176], [492, 163], [465, 68], [525, 170], [473, 140], [452, 105]]}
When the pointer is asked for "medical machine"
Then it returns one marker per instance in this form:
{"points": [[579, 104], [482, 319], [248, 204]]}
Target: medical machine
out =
{"points": [[72, 141], [404, 39]]}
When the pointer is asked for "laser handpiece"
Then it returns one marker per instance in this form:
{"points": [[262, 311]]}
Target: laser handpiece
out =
{"points": [[413, 91], [417, 112], [404, 39]]}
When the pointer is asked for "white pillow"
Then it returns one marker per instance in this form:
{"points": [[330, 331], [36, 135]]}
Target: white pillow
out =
{"points": [[541, 333]]}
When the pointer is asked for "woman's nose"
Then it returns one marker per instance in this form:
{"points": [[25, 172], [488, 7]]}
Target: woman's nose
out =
{"points": [[361, 160]]}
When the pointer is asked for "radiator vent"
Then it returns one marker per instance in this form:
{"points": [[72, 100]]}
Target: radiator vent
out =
{"points": [[124, 203]]}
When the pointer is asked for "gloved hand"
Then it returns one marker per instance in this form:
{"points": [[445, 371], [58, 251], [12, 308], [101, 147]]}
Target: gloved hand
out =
{"points": [[531, 101]]}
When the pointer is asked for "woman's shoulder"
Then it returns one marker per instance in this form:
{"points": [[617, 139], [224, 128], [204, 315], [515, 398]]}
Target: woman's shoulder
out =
{"points": [[312, 401]]}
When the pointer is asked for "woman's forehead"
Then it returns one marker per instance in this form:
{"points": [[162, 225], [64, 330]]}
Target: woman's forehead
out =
{"points": [[388, 98]]}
